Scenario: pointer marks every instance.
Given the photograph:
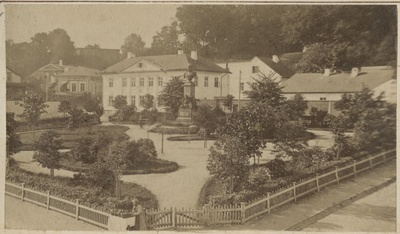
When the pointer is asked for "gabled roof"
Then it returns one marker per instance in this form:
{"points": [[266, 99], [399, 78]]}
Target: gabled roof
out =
{"points": [[370, 77], [52, 67], [80, 71], [278, 67], [168, 63], [13, 71]]}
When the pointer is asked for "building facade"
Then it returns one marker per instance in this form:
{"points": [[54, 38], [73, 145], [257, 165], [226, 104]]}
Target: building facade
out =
{"points": [[15, 90], [245, 72], [135, 77], [323, 90]]}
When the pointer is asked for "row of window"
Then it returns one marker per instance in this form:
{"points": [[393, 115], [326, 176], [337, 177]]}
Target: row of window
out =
{"points": [[159, 80], [133, 82], [133, 100], [82, 87]]}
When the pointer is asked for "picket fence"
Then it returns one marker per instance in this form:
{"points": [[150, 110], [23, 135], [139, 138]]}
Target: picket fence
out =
{"points": [[209, 214]]}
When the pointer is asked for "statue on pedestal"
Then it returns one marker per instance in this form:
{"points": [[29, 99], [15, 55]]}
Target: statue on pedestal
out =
{"points": [[185, 112]]}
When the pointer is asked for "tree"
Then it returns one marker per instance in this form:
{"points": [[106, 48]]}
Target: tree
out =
{"points": [[148, 101], [167, 40], [34, 106], [119, 102], [228, 161], [117, 161], [318, 117], [296, 106], [85, 151], [265, 90], [64, 107], [228, 101], [172, 95], [133, 43], [47, 151], [60, 46], [208, 118], [13, 140], [76, 118]]}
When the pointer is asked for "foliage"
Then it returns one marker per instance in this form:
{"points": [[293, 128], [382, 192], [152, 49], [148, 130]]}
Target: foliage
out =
{"points": [[13, 139], [64, 107], [85, 151], [92, 104], [228, 161], [99, 175], [259, 177], [76, 118], [125, 113], [119, 102], [228, 101], [318, 117], [208, 118], [296, 106], [172, 96], [151, 115], [318, 57], [148, 101], [277, 168], [265, 90], [167, 40], [133, 43], [46, 151], [34, 106]]}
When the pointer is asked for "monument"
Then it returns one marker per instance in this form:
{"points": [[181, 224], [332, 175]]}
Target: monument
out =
{"points": [[185, 111]]}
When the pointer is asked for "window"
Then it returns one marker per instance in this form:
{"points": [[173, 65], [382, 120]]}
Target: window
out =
{"points": [[255, 69], [9, 74], [206, 81], [140, 64], [141, 81], [133, 100], [150, 81], [141, 100], [124, 82], [322, 98], [160, 81], [216, 83], [110, 100], [124, 97], [133, 81], [241, 86], [82, 87], [73, 87], [195, 81], [111, 82]]}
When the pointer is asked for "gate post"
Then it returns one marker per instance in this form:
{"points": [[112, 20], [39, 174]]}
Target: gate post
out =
{"points": [[268, 203], [48, 199], [174, 217], [242, 211], [77, 209], [207, 220]]}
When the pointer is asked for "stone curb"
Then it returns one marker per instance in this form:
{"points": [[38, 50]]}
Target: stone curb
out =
{"points": [[315, 218]]}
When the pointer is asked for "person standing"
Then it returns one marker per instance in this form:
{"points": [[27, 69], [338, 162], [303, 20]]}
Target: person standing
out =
{"points": [[139, 213]]}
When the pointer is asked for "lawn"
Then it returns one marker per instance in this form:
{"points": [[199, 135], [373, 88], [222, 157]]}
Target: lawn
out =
{"points": [[70, 138]]}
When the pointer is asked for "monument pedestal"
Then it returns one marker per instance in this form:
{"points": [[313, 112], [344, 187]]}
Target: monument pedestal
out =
{"points": [[184, 115]]}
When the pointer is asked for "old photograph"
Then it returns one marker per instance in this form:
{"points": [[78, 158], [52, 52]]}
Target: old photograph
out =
{"points": [[200, 117]]}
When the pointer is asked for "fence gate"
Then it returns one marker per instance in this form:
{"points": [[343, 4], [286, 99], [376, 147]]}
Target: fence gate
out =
{"points": [[159, 219], [189, 218]]}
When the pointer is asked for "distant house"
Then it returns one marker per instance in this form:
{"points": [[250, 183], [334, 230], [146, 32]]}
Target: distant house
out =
{"points": [[323, 90], [134, 77], [15, 90], [77, 81], [244, 72]]}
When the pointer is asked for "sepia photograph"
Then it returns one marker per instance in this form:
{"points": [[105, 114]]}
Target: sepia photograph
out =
{"points": [[199, 116]]}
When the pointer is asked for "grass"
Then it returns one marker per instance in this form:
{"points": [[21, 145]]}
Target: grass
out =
{"points": [[70, 138]]}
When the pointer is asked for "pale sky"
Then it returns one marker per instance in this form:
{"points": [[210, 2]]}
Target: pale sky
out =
{"points": [[104, 24]]}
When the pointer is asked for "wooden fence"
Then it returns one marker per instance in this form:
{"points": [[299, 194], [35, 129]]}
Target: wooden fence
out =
{"points": [[208, 215], [73, 209]]}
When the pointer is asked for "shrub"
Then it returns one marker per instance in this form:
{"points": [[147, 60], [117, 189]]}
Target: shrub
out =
{"points": [[277, 168], [259, 177], [124, 113], [85, 151], [150, 114]]}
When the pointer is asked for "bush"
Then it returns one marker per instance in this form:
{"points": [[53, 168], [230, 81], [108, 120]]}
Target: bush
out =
{"points": [[259, 177], [124, 113], [277, 168], [85, 151], [151, 115], [178, 130]]}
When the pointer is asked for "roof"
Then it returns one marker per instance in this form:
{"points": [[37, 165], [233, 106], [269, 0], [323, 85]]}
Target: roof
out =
{"points": [[80, 71], [169, 62], [278, 67], [370, 77], [13, 71]]}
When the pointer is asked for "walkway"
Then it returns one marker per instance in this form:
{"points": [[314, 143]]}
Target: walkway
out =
{"points": [[294, 213], [28, 216]]}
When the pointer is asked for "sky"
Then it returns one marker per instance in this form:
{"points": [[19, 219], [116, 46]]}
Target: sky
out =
{"points": [[104, 24]]}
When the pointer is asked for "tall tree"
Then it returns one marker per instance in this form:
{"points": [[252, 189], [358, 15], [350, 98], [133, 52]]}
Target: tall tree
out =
{"points": [[172, 95], [167, 40], [34, 106], [47, 151], [13, 140], [133, 43], [60, 46], [265, 90]]}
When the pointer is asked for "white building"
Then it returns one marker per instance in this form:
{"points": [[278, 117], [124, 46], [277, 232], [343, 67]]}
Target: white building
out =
{"points": [[322, 90], [244, 72], [135, 77]]}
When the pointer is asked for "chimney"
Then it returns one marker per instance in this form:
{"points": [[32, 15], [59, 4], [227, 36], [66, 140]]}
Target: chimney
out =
{"points": [[60, 62], [130, 55], [354, 72], [327, 72], [180, 51], [275, 58], [193, 54]]}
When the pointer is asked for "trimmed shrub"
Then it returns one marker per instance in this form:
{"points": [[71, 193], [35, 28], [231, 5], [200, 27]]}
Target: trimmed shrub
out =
{"points": [[277, 168]]}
